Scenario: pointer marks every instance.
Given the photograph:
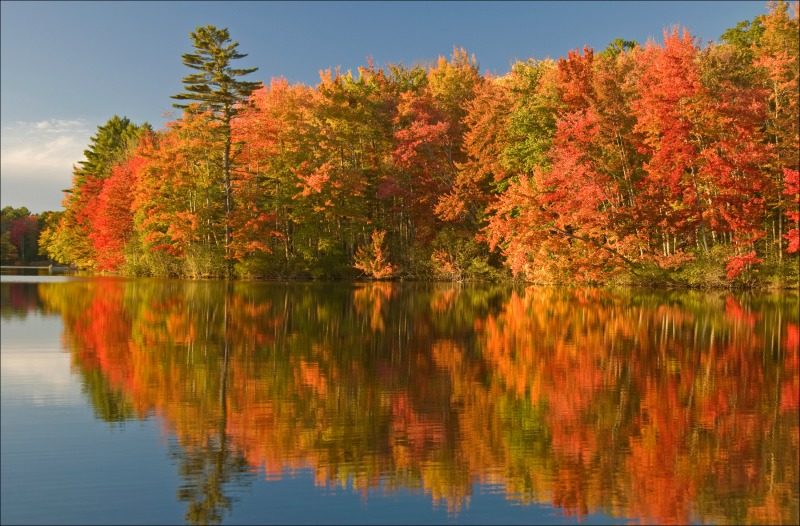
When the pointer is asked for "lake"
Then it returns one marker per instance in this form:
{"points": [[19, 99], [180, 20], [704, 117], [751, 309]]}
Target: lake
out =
{"points": [[167, 401]]}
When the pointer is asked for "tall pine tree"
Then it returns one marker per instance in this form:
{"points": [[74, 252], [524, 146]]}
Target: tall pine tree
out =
{"points": [[215, 88]]}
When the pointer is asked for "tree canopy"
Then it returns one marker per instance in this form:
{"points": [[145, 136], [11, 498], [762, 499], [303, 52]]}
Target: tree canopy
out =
{"points": [[647, 162]]}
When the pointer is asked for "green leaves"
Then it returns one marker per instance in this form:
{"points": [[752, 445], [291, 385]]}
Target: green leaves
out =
{"points": [[215, 88], [109, 145]]}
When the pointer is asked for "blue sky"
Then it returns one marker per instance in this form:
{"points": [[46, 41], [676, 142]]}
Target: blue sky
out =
{"points": [[67, 67]]}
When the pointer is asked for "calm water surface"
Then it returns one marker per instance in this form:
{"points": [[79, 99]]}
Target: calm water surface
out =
{"points": [[136, 401]]}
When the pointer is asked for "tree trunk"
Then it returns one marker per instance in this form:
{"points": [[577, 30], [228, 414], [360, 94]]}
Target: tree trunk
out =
{"points": [[226, 168]]}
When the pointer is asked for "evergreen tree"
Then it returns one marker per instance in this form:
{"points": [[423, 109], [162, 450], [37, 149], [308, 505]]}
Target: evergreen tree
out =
{"points": [[67, 241], [215, 88], [112, 140]]}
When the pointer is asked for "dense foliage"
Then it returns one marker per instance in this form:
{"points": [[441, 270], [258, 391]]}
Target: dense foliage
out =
{"points": [[659, 162], [20, 233]]}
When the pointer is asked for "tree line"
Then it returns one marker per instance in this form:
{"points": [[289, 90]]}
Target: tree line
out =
{"points": [[668, 161], [19, 235]]}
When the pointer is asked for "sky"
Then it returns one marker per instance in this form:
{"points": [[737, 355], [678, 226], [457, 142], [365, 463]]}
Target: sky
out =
{"points": [[67, 67]]}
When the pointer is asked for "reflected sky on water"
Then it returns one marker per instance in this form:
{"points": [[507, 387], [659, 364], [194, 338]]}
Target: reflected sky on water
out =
{"points": [[166, 401]]}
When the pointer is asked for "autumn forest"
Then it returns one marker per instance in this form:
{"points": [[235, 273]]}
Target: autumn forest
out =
{"points": [[662, 162]]}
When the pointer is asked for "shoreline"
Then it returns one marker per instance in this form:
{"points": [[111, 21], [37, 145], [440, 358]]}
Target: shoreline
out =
{"points": [[650, 285]]}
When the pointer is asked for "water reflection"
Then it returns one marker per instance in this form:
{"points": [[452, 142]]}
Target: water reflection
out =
{"points": [[665, 407]]}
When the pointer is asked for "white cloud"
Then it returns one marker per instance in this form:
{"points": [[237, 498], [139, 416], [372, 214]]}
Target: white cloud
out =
{"points": [[45, 149], [36, 160], [56, 125]]}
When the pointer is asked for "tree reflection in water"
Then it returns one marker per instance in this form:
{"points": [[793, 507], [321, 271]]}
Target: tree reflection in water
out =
{"points": [[668, 407]]}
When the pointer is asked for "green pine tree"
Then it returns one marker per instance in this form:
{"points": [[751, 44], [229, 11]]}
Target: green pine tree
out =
{"points": [[216, 88]]}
